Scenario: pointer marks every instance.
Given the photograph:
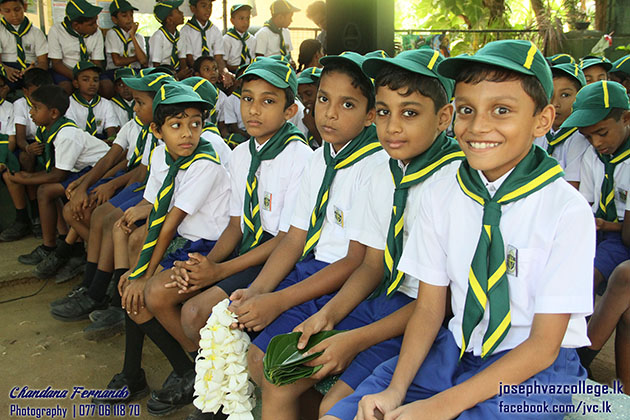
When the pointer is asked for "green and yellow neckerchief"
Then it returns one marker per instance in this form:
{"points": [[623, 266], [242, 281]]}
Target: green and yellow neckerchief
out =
{"points": [[47, 136], [22, 30], [123, 38], [246, 55], [555, 140], [194, 23], [487, 278], [90, 123], [278, 31], [83, 52], [124, 105], [607, 209], [173, 39]]}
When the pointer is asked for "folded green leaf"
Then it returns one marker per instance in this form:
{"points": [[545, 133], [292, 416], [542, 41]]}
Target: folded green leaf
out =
{"points": [[283, 363]]}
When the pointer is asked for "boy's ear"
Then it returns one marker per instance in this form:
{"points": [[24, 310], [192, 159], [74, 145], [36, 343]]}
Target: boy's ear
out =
{"points": [[544, 120], [370, 117], [290, 111], [156, 131], [75, 84], [193, 9], [445, 116], [54, 113]]}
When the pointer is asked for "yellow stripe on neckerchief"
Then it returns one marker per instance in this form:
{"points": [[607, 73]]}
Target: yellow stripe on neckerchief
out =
{"points": [[488, 286], [47, 136]]}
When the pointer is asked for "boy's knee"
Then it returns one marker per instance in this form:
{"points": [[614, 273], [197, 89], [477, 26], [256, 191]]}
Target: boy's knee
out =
{"points": [[155, 294], [619, 281], [67, 213]]}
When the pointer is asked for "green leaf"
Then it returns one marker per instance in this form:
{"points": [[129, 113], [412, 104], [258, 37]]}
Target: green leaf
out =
{"points": [[284, 364]]}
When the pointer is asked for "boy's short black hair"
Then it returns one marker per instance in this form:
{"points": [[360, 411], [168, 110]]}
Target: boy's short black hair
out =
{"points": [[395, 78], [199, 61], [288, 93], [52, 96], [19, 1], [164, 68], [82, 19], [162, 112], [76, 76], [37, 77], [557, 74], [359, 79], [616, 114], [478, 72]]}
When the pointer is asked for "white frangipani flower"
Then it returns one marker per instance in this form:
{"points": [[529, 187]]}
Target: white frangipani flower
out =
{"points": [[222, 380]]}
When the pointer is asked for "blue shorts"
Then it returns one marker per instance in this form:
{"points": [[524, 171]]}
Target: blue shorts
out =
{"points": [[298, 314], [442, 370], [610, 252], [19, 84], [128, 197], [74, 176], [202, 246], [106, 180], [367, 312]]}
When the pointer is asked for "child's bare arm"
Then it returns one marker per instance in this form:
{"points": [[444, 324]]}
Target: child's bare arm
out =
{"points": [[42, 61], [233, 128], [20, 136], [625, 229], [37, 178], [59, 67]]}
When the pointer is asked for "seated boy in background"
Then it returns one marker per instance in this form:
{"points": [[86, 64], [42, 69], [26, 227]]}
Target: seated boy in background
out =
{"points": [[510, 239], [122, 101], [87, 108], [239, 46], [308, 83], [595, 69], [566, 145], [274, 37], [23, 46], [68, 152], [124, 46], [75, 39], [166, 46], [620, 72]]}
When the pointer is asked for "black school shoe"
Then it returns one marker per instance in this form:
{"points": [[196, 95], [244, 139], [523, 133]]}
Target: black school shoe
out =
{"points": [[137, 388], [77, 307], [66, 298], [36, 228], [35, 256], [50, 266], [166, 400], [15, 232], [74, 267], [198, 415], [107, 323]]}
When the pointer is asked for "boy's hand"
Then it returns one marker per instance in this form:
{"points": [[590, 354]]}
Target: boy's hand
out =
{"points": [[184, 73], [3, 167], [133, 29], [71, 188], [315, 323], [132, 300], [131, 216], [428, 408], [102, 193], [227, 78], [194, 274], [376, 406], [123, 282], [599, 223], [259, 311], [13, 74], [339, 351], [35, 148], [78, 202]]}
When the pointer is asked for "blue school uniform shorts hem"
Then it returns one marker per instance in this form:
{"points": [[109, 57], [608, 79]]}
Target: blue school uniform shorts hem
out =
{"points": [[202, 246], [442, 370], [610, 252], [106, 180], [298, 314], [128, 197], [74, 176]]}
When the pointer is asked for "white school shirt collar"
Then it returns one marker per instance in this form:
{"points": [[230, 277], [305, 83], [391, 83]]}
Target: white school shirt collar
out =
{"points": [[334, 154], [493, 186]]}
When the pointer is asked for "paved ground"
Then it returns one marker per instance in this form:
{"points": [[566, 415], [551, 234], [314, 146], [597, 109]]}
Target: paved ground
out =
{"points": [[38, 351]]}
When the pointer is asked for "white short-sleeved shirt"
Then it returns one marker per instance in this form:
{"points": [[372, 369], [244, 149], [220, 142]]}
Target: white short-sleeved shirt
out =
{"points": [[65, 47], [233, 47], [127, 136], [348, 186], [268, 43], [160, 48], [220, 146], [192, 40], [7, 122], [551, 235], [220, 106], [113, 44], [278, 184], [232, 111], [568, 154], [121, 114], [103, 114], [202, 191], [34, 44], [75, 149], [371, 225], [22, 116], [592, 176]]}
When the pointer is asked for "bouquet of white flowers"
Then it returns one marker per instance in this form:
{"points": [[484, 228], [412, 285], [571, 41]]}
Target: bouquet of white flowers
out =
{"points": [[222, 377]]}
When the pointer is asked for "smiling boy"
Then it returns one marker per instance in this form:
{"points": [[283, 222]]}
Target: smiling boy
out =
{"points": [[520, 283]]}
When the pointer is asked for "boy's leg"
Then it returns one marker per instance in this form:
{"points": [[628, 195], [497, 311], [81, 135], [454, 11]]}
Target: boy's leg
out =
{"points": [[96, 230], [59, 257], [21, 227], [197, 309], [82, 227], [612, 312], [283, 402], [610, 252]]}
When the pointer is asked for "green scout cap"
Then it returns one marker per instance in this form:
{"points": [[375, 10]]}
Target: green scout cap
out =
{"points": [[556, 59], [512, 54], [238, 7], [78, 8], [573, 70], [309, 75], [279, 57], [423, 61], [622, 65], [347, 56], [177, 93], [282, 6], [149, 83], [279, 73], [120, 6], [594, 102], [603, 61], [204, 88], [377, 54], [124, 72], [163, 8], [85, 65]]}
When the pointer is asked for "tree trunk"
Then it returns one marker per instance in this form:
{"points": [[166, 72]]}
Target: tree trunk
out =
{"points": [[601, 12], [539, 10]]}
